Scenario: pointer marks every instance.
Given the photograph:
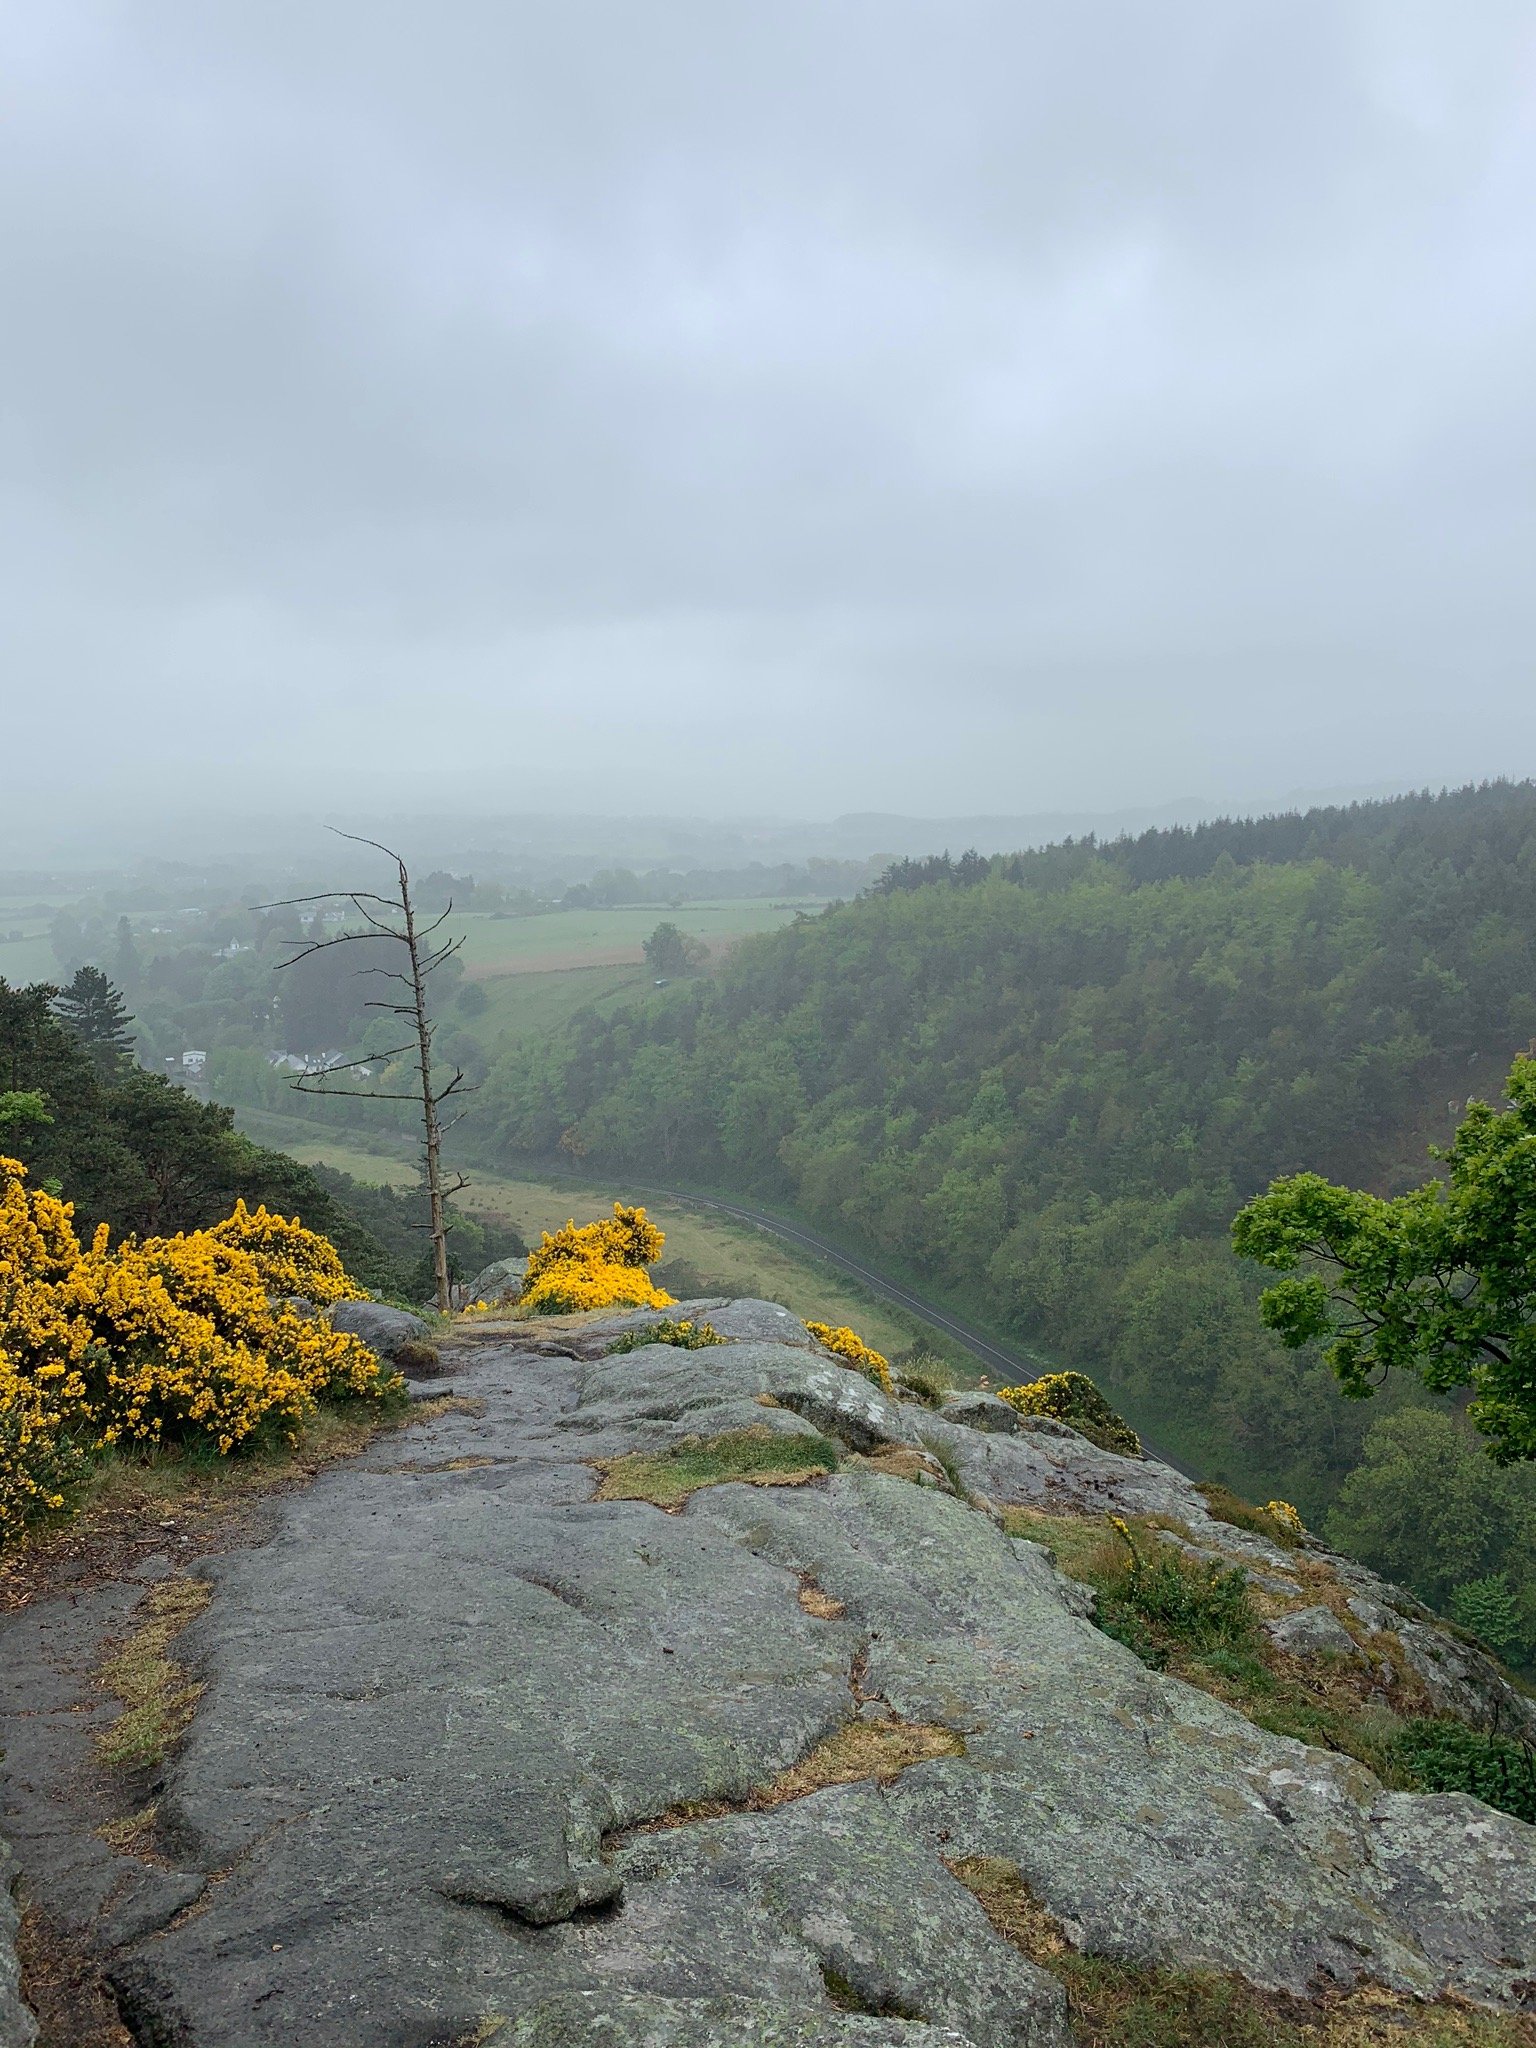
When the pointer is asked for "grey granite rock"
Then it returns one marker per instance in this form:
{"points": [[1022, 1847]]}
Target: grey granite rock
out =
{"points": [[1073, 1594], [1311, 1632], [503, 1277], [831, 1886], [755, 1322], [592, 2019], [18, 2029], [446, 1684], [972, 1410], [1460, 1680], [383, 1329], [702, 1393]]}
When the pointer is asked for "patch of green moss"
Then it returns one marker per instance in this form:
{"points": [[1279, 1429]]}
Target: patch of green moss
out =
{"points": [[755, 1457]]}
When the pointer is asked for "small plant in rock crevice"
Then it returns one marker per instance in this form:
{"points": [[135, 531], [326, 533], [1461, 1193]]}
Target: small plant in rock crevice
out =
{"points": [[680, 1333], [1159, 1604]]}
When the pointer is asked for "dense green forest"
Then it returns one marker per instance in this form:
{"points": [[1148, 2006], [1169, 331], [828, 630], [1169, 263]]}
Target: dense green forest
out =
{"points": [[1043, 1083], [131, 1150]]}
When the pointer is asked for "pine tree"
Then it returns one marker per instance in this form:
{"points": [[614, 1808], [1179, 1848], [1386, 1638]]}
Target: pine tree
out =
{"points": [[93, 1009]]}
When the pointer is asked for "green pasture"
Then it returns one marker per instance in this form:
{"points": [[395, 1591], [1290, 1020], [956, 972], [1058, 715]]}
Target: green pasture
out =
{"points": [[521, 1005], [28, 958], [598, 938]]}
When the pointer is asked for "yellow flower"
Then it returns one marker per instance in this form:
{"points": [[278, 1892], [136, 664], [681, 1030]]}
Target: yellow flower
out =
{"points": [[852, 1349], [157, 1342]]}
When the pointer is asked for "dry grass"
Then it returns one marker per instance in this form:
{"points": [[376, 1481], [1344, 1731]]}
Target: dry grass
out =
{"points": [[814, 1601], [157, 1695], [859, 1752], [899, 1461], [61, 1981], [754, 1457], [1125, 2005], [132, 1834]]}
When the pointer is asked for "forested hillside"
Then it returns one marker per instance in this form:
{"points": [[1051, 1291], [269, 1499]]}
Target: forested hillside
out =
{"points": [[1045, 1082]]}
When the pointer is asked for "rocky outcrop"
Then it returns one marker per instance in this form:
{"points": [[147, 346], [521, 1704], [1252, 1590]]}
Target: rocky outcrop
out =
{"points": [[478, 1750], [496, 1282], [394, 1334]]}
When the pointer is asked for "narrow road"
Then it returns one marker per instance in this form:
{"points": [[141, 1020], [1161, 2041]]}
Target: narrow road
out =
{"points": [[1011, 1365]]}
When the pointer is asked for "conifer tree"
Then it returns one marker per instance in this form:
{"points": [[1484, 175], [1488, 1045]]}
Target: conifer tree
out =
{"points": [[92, 1008]]}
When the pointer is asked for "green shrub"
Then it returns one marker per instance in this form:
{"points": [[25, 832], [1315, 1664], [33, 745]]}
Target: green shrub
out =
{"points": [[1226, 1506], [1167, 1603], [926, 1378], [1488, 1609], [1446, 1756], [685, 1336]]}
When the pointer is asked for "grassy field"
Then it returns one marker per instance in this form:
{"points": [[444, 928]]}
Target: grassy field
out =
{"points": [[603, 938], [536, 971], [29, 958], [521, 1005], [725, 1257]]}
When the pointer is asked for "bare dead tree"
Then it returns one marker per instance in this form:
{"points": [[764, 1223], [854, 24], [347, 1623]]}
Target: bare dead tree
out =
{"points": [[394, 918]]}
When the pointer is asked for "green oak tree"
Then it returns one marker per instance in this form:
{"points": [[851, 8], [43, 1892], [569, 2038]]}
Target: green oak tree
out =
{"points": [[1440, 1282]]}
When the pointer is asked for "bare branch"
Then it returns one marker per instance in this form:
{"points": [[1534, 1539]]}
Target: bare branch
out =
{"points": [[302, 1085], [358, 840], [309, 946], [330, 896]]}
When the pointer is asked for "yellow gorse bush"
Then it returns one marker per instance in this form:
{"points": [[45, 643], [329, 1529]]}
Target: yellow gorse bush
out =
{"points": [[168, 1340], [852, 1349], [595, 1265], [291, 1260], [1072, 1397]]}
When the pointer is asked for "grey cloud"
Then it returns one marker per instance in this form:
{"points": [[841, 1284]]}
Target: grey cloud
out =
{"points": [[816, 407]]}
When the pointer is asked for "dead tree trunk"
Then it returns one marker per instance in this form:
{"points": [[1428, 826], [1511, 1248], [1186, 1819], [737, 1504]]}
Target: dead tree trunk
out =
{"points": [[394, 918]]}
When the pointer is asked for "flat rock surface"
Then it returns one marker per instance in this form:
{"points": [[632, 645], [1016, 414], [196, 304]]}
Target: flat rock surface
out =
{"points": [[449, 1687]]}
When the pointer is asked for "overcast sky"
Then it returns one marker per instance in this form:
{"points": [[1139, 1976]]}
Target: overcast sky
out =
{"points": [[819, 406]]}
